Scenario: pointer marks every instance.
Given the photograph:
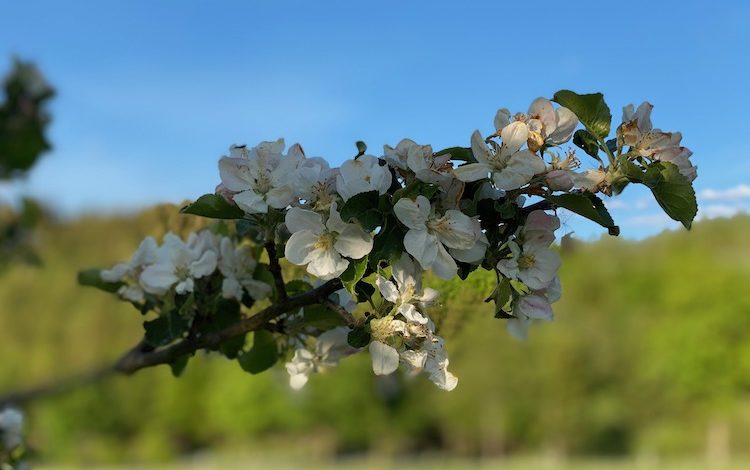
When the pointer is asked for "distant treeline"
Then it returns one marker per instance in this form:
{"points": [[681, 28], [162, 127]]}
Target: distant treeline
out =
{"points": [[649, 354]]}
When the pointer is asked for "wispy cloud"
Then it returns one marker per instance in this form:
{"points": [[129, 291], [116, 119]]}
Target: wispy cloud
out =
{"points": [[739, 192]]}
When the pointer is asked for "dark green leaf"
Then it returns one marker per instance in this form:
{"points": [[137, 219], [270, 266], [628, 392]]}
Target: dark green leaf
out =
{"points": [[388, 243], [165, 329], [586, 141], [673, 192], [359, 337], [501, 296], [93, 278], [363, 207], [364, 291], [587, 205], [591, 110], [262, 356], [213, 206], [297, 286]]}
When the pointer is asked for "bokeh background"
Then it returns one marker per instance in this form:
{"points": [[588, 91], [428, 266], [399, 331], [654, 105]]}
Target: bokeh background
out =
{"points": [[648, 361]]}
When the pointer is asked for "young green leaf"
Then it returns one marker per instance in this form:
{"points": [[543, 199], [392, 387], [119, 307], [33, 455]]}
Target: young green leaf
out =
{"points": [[354, 273], [363, 207], [262, 356], [670, 188], [591, 110], [93, 278], [165, 329], [586, 141], [213, 206]]}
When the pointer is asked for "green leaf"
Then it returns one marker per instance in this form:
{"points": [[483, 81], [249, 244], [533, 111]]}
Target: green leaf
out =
{"points": [[591, 110], [213, 206], [673, 192], [587, 142], [165, 329], [363, 207], [358, 337], [501, 296], [416, 188], [93, 278], [297, 286], [388, 243], [354, 273], [587, 205], [364, 291], [262, 356], [458, 154]]}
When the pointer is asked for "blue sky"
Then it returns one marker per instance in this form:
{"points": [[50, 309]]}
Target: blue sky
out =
{"points": [[152, 93]]}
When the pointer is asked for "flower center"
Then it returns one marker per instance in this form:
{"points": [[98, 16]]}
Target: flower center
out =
{"points": [[526, 261], [325, 241]]}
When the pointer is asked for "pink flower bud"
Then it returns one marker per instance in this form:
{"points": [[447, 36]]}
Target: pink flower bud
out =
{"points": [[559, 180]]}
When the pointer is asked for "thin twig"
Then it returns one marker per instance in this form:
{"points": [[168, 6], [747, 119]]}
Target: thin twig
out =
{"points": [[340, 310], [275, 268]]}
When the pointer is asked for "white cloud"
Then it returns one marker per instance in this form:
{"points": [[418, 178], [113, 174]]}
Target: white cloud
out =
{"points": [[713, 211], [741, 191]]}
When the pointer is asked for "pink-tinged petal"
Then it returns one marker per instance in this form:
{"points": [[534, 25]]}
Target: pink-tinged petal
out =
{"points": [[567, 121], [514, 136], [535, 307], [542, 109]]}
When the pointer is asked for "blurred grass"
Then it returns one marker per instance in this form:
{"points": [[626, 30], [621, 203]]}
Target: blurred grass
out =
{"points": [[648, 355]]}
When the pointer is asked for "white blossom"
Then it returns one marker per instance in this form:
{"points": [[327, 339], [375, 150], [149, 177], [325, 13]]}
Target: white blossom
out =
{"points": [[429, 234], [330, 348], [407, 293], [260, 177], [130, 272], [508, 167], [322, 247], [362, 175], [535, 265], [237, 264], [397, 157], [547, 125], [178, 264], [314, 182]]}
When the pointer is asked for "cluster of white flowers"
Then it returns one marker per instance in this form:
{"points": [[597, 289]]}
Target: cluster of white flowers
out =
{"points": [[177, 264], [414, 210], [637, 132]]}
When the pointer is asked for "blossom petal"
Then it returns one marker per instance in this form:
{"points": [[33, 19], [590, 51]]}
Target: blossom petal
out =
{"points": [[444, 265], [472, 172], [235, 173], [387, 289], [353, 242], [384, 358], [326, 264], [479, 148], [422, 245], [280, 197], [300, 219], [521, 167], [413, 213], [566, 124], [514, 135], [300, 246], [158, 278], [251, 202]]}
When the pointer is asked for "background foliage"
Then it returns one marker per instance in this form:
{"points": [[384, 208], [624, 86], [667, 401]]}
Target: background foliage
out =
{"points": [[648, 355]]}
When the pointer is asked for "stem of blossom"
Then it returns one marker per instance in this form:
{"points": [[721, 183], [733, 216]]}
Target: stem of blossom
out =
{"points": [[340, 310], [275, 268]]}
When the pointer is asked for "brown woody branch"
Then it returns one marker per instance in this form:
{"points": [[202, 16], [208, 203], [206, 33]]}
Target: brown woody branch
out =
{"points": [[143, 355]]}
